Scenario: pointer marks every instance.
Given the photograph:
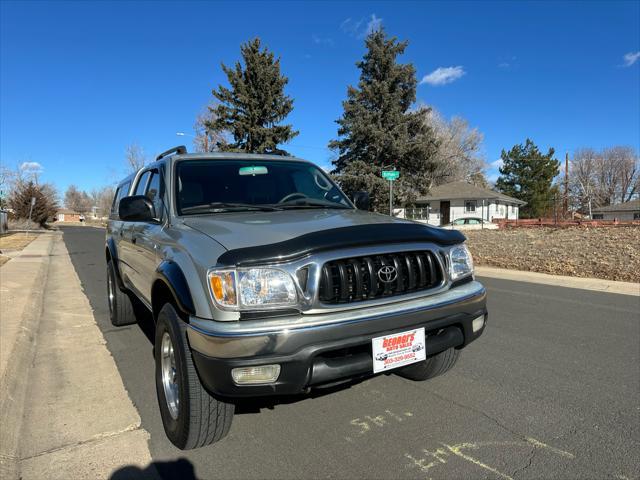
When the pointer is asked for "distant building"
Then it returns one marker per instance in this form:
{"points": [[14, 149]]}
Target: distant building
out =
{"points": [[66, 215], [621, 211], [451, 201]]}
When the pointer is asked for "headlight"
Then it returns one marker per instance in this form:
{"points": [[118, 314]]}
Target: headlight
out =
{"points": [[460, 262], [252, 288]]}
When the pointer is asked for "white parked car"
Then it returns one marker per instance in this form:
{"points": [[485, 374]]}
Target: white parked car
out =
{"points": [[471, 223]]}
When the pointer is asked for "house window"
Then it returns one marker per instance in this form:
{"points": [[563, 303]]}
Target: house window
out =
{"points": [[636, 215], [598, 216], [418, 213], [470, 206]]}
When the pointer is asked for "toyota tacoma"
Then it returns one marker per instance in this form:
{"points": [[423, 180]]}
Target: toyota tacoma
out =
{"points": [[263, 278]]}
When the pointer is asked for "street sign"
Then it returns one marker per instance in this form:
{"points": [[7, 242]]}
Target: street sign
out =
{"points": [[390, 175]]}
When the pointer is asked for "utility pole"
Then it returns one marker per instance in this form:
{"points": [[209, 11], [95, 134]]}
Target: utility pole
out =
{"points": [[565, 203]]}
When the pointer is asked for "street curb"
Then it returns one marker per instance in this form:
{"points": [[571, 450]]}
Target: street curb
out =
{"points": [[14, 382], [593, 284]]}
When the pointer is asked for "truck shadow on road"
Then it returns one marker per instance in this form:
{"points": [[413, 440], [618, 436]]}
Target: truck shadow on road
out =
{"points": [[181, 468]]}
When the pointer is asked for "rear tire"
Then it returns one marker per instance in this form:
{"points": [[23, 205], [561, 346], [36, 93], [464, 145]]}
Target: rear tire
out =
{"points": [[431, 367], [120, 306], [191, 417]]}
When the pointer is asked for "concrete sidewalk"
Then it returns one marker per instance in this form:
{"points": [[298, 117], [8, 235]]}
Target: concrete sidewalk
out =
{"points": [[59, 378], [594, 284]]}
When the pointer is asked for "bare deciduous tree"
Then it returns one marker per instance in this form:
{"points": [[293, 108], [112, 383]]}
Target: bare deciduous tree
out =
{"points": [[7, 178], [459, 153], [102, 199], [606, 177], [207, 140], [77, 200], [135, 157]]}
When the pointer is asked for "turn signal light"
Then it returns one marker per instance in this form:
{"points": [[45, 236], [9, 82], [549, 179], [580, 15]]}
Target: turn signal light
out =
{"points": [[223, 287]]}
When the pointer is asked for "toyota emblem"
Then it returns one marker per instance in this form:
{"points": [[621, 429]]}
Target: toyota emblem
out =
{"points": [[387, 274]]}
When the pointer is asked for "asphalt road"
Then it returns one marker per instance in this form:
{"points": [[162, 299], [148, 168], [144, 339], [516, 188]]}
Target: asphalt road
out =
{"points": [[551, 390]]}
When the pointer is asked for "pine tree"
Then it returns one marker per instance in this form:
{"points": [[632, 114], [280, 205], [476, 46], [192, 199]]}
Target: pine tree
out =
{"points": [[254, 105], [45, 205], [379, 128], [527, 174]]}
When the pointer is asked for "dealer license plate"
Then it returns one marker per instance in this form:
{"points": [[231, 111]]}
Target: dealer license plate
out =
{"points": [[398, 350]]}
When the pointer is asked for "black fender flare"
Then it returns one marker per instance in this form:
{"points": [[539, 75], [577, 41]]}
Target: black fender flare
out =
{"points": [[171, 274], [113, 253]]}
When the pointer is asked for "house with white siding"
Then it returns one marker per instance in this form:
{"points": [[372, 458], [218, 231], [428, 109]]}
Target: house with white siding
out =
{"points": [[451, 201]]}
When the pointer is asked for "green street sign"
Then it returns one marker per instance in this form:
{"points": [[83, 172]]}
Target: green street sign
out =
{"points": [[390, 174]]}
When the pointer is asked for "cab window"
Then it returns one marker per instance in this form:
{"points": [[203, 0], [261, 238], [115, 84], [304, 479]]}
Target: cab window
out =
{"points": [[154, 192], [142, 183], [121, 192]]}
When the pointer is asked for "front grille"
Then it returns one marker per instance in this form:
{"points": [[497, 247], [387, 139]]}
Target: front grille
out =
{"points": [[357, 279]]}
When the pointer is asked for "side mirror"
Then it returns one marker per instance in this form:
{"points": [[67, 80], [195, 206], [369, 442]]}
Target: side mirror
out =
{"points": [[361, 200], [137, 208]]}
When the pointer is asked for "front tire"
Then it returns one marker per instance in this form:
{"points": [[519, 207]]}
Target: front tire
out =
{"points": [[433, 366], [191, 417], [121, 310]]}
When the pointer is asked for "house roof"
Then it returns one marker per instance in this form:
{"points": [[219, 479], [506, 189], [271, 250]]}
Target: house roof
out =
{"points": [[465, 191], [67, 211], [631, 206]]}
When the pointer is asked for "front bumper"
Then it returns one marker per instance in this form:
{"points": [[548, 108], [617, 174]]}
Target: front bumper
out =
{"points": [[315, 350]]}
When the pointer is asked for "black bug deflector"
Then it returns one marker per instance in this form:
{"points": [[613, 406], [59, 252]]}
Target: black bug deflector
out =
{"points": [[353, 236]]}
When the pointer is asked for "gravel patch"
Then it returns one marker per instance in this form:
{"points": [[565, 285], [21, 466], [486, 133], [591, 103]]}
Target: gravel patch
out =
{"points": [[610, 253]]}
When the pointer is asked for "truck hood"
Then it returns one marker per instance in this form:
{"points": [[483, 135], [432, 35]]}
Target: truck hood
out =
{"points": [[250, 229], [253, 238]]}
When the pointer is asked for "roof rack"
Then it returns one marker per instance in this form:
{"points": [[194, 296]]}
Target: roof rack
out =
{"points": [[179, 150]]}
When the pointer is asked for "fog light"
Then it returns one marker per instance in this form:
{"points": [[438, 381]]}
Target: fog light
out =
{"points": [[477, 324], [261, 374]]}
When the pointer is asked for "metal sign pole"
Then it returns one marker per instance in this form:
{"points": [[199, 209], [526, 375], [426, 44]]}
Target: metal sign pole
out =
{"points": [[33, 202], [390, 175]]}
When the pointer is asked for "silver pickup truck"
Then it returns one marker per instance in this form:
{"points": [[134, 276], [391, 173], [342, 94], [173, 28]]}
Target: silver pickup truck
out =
{"points": [[263, 278]]}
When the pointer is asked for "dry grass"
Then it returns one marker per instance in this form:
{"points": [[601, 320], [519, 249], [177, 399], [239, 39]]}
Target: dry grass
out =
{"points": [[16, 241], [611, 253], [13, 242]]}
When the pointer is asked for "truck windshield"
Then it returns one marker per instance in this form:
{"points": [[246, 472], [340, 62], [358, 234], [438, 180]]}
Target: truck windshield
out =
{"points": [[204, 186]]}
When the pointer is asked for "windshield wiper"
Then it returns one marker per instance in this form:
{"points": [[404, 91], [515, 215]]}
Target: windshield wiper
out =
{"points": [[217, 207], [312, 203]]}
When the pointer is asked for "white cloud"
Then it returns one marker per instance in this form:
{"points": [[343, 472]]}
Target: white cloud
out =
{"points": [[496, 164], [630, 58], [362, 27], [443, 75], [31, 167], [322, 40], [350, 26], [507, 63], [373, 26]]}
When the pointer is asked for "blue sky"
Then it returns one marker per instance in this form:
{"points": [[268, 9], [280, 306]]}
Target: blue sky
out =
{"points": [[81, 80]]}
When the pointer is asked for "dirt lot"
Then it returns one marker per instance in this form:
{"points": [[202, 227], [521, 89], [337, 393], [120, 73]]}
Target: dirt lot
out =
{"points": [[13, 241], [611, 253]]}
